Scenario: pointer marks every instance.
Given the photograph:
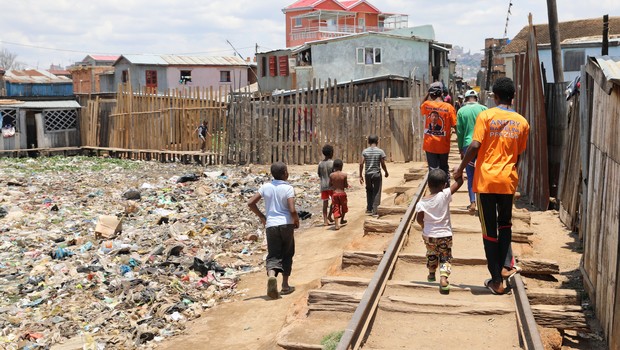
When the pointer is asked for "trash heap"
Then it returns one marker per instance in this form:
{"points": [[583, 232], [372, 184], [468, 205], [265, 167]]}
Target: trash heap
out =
{"points": [[106, 253]]}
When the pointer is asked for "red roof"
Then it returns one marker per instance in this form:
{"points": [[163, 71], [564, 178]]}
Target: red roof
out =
{"points": [[104, 57], [304, 3], [350, 4]]}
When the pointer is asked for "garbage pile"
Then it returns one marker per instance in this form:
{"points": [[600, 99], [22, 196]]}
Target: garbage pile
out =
{"points": [[107, 253]]}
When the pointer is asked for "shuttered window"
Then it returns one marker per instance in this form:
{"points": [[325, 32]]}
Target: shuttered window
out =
{"points": [[573, 60], [273, 66], [283, 65]]}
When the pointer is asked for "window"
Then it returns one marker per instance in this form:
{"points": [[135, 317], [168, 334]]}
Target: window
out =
{"points": [[125, 76], [283, 65], [225, 76], [273, 68], [8, 117], [573, 60], [361, 23], [151, 78], [369, 55], [60, 120], [263, 68], [186, 77], [297, 22]]}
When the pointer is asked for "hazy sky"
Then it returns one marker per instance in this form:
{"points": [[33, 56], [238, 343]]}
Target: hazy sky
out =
{"points": [[42, 32]]}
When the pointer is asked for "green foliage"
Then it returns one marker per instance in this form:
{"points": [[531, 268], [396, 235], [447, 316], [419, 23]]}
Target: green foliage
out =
{"points": [[330, 341], [67, 164]]}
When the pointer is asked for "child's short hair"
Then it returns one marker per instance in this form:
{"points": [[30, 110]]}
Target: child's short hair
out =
{"points": [[504, 89], [373, 139], [437, 178], [338, 164], [278, 170], [328, 151]]}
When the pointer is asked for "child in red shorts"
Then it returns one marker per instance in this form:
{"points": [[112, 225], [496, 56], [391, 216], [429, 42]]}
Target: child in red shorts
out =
{"points": [[338, 182], [326, 167]]}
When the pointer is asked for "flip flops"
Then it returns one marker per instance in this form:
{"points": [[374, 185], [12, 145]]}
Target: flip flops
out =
{"points": [[487, 283], [431, 277], [272, 288], [515, 269], [289, 290]]}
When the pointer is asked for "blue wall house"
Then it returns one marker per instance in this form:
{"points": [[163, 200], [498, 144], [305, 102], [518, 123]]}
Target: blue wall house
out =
{"points": [[38, 110], [404, 52], [36, 83], [580, 39]]}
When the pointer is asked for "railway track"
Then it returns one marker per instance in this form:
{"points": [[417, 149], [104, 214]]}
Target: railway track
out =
{"points": [[382, 300]]}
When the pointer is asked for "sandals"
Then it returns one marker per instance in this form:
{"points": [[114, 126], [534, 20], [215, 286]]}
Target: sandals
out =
{"points": [[487, 283], [515, 270], [272, 288], [431, 277], [444, 289], [289, 290]]}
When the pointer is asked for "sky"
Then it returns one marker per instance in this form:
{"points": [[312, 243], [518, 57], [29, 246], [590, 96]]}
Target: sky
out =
{"points": [[62, 32]]}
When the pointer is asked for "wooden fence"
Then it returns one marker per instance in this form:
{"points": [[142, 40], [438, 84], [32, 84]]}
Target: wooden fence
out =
{"points": [[293, 128], [290, 127], [533, 167], [600, 222]]}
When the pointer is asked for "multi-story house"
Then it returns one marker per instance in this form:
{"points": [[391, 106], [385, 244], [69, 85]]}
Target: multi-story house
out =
{"points": [[310, 20]]}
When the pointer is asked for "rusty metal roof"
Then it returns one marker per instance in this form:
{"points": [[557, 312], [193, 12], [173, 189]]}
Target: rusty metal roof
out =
{"points": [[569, 31], [34, 76]]}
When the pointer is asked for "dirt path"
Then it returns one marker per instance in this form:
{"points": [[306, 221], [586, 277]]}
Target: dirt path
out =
{"points": [[252, 321]]}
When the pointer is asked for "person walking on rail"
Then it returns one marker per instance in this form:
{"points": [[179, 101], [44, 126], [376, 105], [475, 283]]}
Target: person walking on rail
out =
{"points": [[465, 121], [374, 159], [280, 221], [203, 131], [440, 118], [338, 182], [500, 136], [433, 214], [326, 167]]}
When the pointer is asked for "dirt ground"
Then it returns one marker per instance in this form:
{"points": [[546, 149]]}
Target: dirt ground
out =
{"points": [[252, 320]]}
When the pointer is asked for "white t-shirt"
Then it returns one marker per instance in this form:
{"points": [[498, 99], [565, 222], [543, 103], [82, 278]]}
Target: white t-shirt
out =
{"points": [[436, 214], [276, 195]]}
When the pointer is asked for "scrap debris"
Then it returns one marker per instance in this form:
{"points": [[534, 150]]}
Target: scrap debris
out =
{"points": [[105, 253]]}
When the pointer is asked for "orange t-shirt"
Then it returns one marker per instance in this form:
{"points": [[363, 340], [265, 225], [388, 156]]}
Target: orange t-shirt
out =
{"points": [[502, 134], [440, 117]]}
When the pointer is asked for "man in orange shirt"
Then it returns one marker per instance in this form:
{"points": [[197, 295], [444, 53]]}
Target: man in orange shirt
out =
{"points": [[440, 117], [500, 136]]}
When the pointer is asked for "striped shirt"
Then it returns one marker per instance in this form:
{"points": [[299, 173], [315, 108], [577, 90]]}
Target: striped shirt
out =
{"points": [[372, 157]]}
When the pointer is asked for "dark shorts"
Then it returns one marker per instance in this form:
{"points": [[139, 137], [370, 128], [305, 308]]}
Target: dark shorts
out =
{"points": [[280, 249]]}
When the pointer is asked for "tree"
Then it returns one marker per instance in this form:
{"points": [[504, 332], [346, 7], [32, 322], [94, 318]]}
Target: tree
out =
{"points": [[8, 60]]}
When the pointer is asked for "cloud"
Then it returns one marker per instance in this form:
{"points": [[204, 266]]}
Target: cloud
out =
{"points": [[199, 26]]}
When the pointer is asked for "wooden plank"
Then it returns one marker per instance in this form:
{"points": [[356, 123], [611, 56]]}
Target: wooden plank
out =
{"points": [[443, 306], [538, 266], [377, 225], [553, 296], [561, 317]]}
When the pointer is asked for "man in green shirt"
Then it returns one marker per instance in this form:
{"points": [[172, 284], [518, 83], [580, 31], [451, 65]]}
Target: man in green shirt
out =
{"points": [[465, 121]]}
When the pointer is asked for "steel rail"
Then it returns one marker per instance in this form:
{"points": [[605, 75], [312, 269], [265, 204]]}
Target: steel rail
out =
{"points": [[527, 324], [357, 329], [355, 332]]}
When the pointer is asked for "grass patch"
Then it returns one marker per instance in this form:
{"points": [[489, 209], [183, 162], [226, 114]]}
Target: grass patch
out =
{"points": [[330, 341], [67, 164]]}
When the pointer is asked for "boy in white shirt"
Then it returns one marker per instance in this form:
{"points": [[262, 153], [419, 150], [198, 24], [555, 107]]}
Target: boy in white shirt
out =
{"points": [[433, 214], [281, 220]]}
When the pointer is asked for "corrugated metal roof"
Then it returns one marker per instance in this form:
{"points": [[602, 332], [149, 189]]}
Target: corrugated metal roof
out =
{"points": [[610, 67], [67, 104], [34, 76], [102, 57], [144, 59], [175, 60], [204, 60], [568, 30], [303, 4]]}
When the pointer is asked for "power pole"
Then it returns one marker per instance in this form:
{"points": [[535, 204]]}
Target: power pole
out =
{"points": [[554, 35], [605, 48]]}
